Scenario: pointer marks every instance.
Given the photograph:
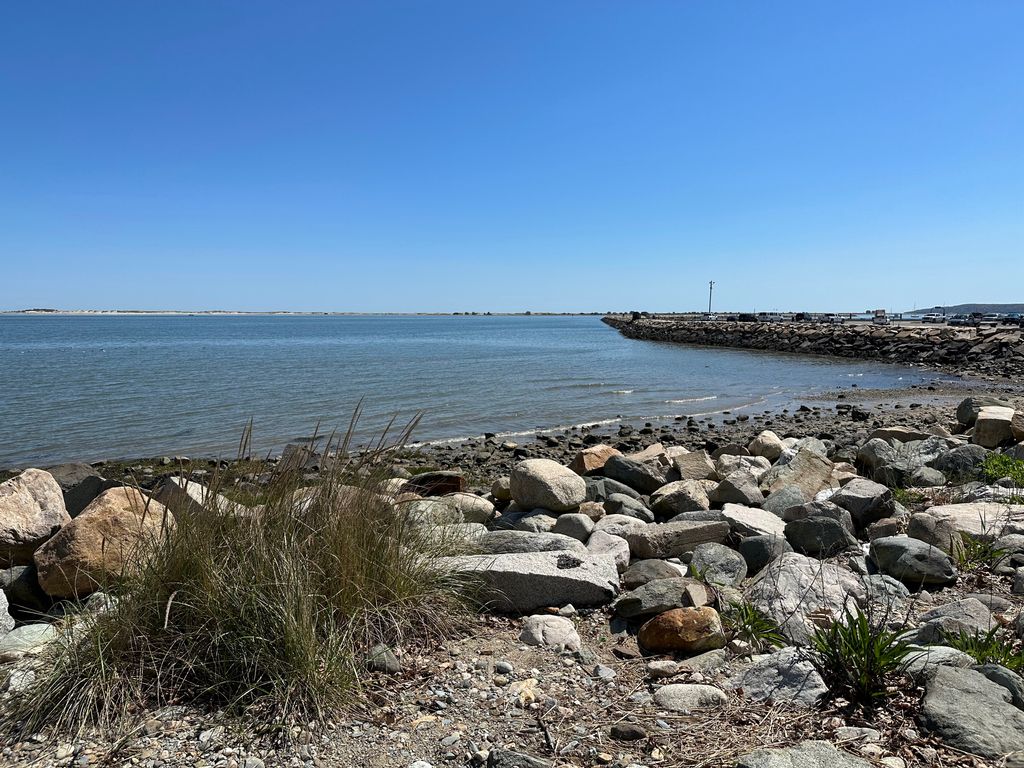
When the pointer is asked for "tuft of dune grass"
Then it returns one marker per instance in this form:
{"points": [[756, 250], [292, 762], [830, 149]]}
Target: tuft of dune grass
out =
{"points": [[268, 612]]}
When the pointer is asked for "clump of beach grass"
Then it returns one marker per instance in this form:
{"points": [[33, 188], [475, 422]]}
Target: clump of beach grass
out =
{"points": [[268, 612]]}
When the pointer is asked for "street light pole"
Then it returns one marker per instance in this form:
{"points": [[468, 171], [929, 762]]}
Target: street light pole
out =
{"points": [[711, 288]]}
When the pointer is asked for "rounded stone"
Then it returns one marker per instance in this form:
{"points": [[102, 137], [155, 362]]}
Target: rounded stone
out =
{"points": [[683, 630]]}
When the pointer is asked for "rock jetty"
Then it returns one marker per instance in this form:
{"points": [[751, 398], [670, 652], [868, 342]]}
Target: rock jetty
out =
{"points": [[990, 351]]}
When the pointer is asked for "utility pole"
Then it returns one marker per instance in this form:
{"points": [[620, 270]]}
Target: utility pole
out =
{"points": [[711, 288]]}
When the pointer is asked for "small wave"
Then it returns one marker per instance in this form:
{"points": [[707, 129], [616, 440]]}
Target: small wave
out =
{"points": [[692, 400], [623, 391], [519, 433]]}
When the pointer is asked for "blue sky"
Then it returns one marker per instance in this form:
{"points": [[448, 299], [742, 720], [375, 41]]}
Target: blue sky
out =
{"points": [[436, 156]]}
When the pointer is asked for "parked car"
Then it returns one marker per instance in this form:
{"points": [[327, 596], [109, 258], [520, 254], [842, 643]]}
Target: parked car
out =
{"points": [[933, 318], [964, 320], [992, 318]]}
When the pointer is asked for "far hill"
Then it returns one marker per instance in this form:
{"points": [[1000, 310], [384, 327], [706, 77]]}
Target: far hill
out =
{"points": [[966, 309]]}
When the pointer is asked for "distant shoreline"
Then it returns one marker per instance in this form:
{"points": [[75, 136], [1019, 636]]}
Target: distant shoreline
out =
{"points": [[273, 313]]}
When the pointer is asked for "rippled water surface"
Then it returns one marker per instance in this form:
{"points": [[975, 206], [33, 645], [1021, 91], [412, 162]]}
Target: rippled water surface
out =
{"points": [[95, 387]]}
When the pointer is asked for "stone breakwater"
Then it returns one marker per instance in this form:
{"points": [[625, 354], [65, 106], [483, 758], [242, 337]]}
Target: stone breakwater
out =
{"points": [[993, 351]]}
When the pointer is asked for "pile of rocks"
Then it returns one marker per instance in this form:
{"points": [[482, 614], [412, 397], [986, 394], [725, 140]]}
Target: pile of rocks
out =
{"points": [[664, 542], [998, 351]]}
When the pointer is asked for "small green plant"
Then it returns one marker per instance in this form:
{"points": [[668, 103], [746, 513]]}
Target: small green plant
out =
{"points": [[746, 622], [859, 656], [977, 552], [907, 497], [998, 465], [988, 648]]}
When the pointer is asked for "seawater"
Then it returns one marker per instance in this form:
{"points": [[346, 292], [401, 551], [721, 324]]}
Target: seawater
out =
{"points": [[90, 387]]}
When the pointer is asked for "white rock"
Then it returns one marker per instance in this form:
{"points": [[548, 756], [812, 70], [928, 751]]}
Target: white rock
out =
{"points": [[550, 630], [684, 697]]}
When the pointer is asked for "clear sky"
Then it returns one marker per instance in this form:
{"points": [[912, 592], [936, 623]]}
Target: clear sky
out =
{"points": [[536, 154]]}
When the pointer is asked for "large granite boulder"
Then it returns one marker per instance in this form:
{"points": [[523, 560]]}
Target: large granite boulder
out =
{"points": [[102, 544], [760, 550], [936, 531], [523, 582], [546, 484], [968, 409], [767, 445], [796, 591], [912, 561], [660, 595], [819, 536], [31, 511]]}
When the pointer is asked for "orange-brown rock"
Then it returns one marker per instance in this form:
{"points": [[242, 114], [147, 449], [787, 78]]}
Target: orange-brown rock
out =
{"points": [[683, 630], [592, 459], [102, 544]]}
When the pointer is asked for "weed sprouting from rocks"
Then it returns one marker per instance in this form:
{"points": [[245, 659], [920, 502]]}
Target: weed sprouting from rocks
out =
{"points": [[988, 648], [859, 656]]}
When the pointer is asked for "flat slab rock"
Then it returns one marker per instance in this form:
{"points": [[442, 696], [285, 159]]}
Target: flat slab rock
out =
{"points": [[808, 754], [982, 519], [524, 581], [673, 539]]}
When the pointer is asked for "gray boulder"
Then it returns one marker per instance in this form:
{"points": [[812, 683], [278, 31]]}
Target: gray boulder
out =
{"points": [[644, 571], [673, 539], [786, 676], [718, 564], [662, 595], [26, 598], [866, 501], [750, 521], [819, 536], [960, 463], [684, 697], [679, 497], [523, 582], [79, 483], [967, 616], [912, 561], [601, 543], [621, 504], [546, 484], [938, 532], [695, 466], [807, 754], [972, 713], [760, 550], [926, 477], [784, 498], [575, 526], [740, 487], [1009, 679], [642, 477], [921, 663]]}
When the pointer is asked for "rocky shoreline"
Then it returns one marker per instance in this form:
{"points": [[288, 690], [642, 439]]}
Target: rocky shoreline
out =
{"points": [[979, 352], [640, 579]]}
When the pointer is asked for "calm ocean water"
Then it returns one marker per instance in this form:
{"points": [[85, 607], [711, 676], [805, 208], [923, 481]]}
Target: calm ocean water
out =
{"points": [[102, 387]]}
